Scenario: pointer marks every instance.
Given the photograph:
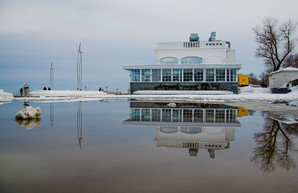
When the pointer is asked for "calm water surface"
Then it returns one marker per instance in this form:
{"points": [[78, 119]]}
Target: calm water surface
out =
{"points": [[118, 146]]}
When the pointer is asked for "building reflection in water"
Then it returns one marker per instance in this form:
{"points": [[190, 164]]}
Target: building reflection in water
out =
{"points": [[191, 126]]}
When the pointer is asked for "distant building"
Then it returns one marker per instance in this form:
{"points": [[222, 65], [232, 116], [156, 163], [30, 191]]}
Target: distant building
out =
{"points": [[280, 78], [192, 65]]}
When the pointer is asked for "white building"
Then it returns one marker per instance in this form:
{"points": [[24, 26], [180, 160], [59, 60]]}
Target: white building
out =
{"points": [[280, 78], [193, 65]]}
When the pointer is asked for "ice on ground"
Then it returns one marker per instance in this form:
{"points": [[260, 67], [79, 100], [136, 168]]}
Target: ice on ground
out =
{"points": [[172, 105], [5, 96], [246, 94], [66, 93], [286, 119], [28, 113]]}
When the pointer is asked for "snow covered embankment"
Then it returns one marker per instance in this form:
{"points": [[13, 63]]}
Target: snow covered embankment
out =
{"points": [[5, 96], [66, 93]]}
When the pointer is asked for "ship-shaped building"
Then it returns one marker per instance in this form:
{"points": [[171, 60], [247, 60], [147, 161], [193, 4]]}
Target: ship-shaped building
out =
{"points": [[193, 66]]}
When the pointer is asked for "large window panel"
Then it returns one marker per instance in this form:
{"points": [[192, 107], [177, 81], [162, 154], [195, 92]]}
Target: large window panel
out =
{"points": [[166, 75], [198, 74], [188, 75], [191, 60], [231, 75], [156, 75], [135, 75], [146, 75], [210, 75], [169, 60], [220, 75], [177, 75]]}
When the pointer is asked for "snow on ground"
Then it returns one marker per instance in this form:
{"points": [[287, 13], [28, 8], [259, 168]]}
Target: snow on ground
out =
{"points": [[247, 94], [5, 96], [66, 93]]}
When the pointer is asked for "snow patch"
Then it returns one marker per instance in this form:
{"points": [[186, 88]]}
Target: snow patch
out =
{"points": [[28, 113], [5, 96]]}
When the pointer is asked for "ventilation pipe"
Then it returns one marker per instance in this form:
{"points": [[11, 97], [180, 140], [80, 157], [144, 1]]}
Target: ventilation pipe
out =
{"points": [[229, 44]]}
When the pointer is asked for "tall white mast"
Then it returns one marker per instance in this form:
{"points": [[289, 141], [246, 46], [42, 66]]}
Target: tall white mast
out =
{"points": [[52, 77], [79, 68]]}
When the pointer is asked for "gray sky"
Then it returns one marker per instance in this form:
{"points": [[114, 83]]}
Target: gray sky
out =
{"points": [[114, 33]]}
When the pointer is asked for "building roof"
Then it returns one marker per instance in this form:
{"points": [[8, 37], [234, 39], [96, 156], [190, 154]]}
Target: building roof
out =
{"points": [[289, 69]]}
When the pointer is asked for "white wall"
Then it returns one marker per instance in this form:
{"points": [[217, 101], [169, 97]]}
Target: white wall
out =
{"points": [[280, 78], [209, 56]]}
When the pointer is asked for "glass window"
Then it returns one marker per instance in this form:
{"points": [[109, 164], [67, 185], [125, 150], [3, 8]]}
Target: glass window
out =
{"points": [[176, 115], [187, 75], [231, 116], [166, 75], [146, 75], [198, 74], [209, 115], [135, 75], [191, 60], [187, 115], [210, 75], [156, 75], [135, 114], [220, 116], [168, 129], [145, 115], [177, 75], [191, 130], [169, 60], [231, 75], [220, 75], [155, 114], [198, 116], [166, 115]]}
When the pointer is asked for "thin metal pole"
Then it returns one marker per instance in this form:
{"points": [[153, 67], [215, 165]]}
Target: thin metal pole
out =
{"points": [[52, 77], [79, 68]]}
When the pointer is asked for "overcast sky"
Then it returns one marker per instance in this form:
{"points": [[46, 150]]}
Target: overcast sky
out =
{"points": [[114, 33]]}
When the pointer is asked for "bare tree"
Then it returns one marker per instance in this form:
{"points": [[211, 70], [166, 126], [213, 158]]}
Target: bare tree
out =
{"points": [[274, 145], [291, 61], [275, 41]]}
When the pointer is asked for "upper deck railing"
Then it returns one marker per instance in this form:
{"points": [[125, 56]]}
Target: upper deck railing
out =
{"points": [[186, 45]]}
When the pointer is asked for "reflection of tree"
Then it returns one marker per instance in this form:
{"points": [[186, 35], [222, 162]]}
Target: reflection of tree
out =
{"points": [[274, 145]]}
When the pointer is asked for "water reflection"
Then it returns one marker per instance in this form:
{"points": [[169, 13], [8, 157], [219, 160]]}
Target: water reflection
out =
{"points": [[189, 126], [28, 123], [52, 114], [79, 123], [275, 143]]}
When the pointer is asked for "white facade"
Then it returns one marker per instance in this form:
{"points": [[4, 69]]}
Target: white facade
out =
{"points": [[193, 65], [281, 77], [216, 52]]}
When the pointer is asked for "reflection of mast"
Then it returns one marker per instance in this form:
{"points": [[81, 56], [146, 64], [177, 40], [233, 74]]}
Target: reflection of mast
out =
{"points": [[79, 123], [52, 77], [79, 68], [52, 114]]}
